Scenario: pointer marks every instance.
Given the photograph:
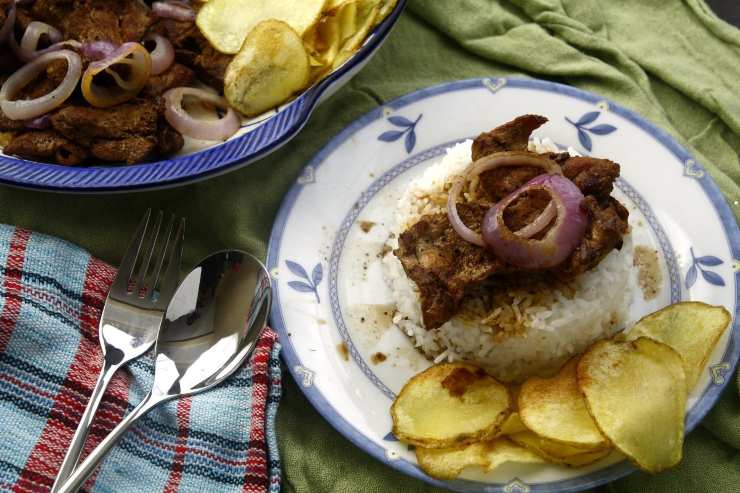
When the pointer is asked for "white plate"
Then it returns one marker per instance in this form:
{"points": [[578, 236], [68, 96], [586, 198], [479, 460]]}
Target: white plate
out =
{"points": [[328, 281]]}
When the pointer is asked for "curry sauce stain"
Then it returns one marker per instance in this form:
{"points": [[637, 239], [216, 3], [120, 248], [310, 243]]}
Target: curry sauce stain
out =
{"points": [[366, 226], [343, 351], [649, 275], [378, 358]]}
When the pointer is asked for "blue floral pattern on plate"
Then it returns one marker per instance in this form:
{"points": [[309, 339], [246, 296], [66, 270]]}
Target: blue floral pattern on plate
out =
{"points": [[309, 284], [583, 131], [700, 264], [409, 130]]}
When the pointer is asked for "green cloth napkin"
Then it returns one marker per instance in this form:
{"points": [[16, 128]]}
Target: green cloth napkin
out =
{"points": [[673, 62]]}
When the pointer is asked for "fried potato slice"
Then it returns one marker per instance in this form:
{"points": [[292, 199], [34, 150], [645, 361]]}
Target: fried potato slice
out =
{"points": [[448, 463], [366, 17], [557, 452], [450, 404], [691, 328], [513, 424], [226, 23], [636, 393], [555, 409], [271, 66]]}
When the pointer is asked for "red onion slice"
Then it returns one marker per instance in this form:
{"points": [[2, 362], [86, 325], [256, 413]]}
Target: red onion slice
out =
{"points": [[140, 67], [32, 108], [559, 241], [97, 50], [178, 11], [32, 35], [7, 28], [487, 163], [220, 129], [163, 53], [540, 222]]}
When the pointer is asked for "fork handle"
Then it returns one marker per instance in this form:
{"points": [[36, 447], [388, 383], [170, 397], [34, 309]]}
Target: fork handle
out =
{"points": [[78, 477], [78, 440]]}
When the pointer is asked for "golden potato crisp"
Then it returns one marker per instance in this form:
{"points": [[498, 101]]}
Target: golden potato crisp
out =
{"points": [[691, 328], [554, 408], [271, 66], [226, 23], [448, 463], [636, 393], [450, 404]]}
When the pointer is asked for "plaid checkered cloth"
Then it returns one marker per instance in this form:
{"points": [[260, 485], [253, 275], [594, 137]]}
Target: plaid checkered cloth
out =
{"points": [[51, 297]]}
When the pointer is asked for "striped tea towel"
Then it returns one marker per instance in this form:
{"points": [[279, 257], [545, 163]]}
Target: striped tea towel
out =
{"points": [[51, 296]]}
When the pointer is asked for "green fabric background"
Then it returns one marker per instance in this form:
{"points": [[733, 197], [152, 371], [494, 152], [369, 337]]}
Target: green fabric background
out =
{"points": [[673, 62]]}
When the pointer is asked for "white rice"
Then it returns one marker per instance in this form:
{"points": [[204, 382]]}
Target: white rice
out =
{"points": [[526, 331]]}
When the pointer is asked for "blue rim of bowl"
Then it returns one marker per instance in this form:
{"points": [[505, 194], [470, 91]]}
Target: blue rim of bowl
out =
{"points": [[230, 155], [705, 402]]}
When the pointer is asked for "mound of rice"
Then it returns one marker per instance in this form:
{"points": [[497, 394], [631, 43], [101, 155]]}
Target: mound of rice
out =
{"points": [[513, 332]]}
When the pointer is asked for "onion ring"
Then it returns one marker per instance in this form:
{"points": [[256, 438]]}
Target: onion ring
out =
{"points": [[163, 53], [487, 163], [178, 11], [31, 37], [136, 57], [220, 129], [560, 240], [32, 108]]}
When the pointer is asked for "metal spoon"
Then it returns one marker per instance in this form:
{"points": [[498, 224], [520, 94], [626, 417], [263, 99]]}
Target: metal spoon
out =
{"points": [[212, 324]]}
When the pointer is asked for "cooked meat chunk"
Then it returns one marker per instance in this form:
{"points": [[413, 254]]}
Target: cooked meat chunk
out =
{"points": [[194, 50], [211, 66], [592, 175], [51, 11], [116, 21], [512, 136], [446, 268], [169, 140], [134, 18], [44, 145], [500, 182], [442, 264], [8, 125], [130, 150], [176, 76], [85, 124], [607, 225]]}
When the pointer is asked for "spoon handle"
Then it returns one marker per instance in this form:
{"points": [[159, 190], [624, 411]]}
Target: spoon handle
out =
{"points": [[78, 440], [78, 477]]}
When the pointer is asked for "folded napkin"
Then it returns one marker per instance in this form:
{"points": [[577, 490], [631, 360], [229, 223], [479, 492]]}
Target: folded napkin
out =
{"points": [[51, 297]]}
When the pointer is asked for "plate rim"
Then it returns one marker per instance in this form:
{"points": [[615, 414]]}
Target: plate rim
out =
{"points": [[706, 401], [202, 164]]}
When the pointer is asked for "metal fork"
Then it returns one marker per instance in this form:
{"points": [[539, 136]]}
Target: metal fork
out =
{"points": [[133, 312]]}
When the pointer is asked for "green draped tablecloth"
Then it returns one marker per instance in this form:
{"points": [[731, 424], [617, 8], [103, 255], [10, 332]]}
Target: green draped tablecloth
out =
{"points": [[673, 62]]}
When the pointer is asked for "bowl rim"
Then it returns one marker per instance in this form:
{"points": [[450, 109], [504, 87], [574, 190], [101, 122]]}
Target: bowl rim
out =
{"points": [[206, 163]]}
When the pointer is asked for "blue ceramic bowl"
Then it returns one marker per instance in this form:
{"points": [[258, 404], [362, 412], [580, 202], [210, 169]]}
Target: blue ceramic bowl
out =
{"points": [[260, 139]]}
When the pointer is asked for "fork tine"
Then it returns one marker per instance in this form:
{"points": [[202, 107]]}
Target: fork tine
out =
{"points": [[148, 253], [152, 280], [171, 275], [128, 262]]}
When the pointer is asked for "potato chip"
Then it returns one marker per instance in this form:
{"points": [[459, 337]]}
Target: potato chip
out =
{"points": [[550, 449], [449, 404], [691, 328], [636, 393], [513, 424], [271, 66], [554, 408], [367, 14], [226, 23], [448, 463]]}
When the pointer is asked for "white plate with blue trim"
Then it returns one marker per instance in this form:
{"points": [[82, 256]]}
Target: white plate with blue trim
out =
{"points": [[331, 304]]}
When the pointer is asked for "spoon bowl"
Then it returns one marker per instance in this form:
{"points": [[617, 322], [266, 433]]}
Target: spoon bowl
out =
{"points": [[212, 325]]}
